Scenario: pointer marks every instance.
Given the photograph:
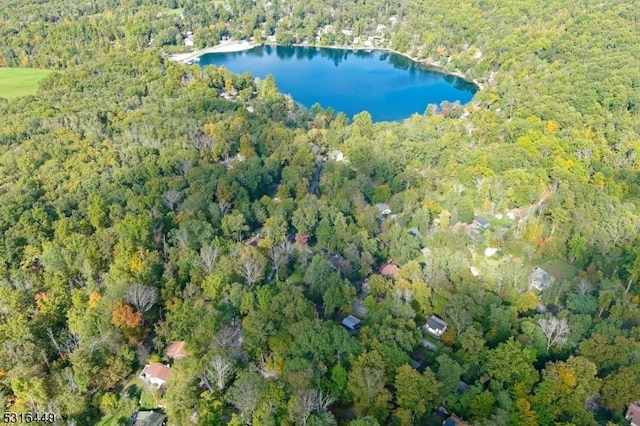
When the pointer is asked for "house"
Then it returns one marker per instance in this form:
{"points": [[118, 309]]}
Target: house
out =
{"points": [[336, 155], [482, 222], [454, 421], [490, 251], [436, 326], [383, 208], [540, 279], [389, 270], [176, 350], [633, 414], [474, 271], [156, 374], [351, 323], [414, 232], [147, 418], [339, 263], [254, 241], [513, 214], [463, 387]]}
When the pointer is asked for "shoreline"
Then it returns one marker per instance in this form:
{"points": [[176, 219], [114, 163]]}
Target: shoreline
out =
{"points": [[434, 66], [229, 46]]}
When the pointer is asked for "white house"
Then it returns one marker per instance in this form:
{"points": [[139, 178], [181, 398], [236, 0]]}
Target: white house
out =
{"points": [[490, 251], [436, 326], [156, 374], [336, 155], [540, 279]]}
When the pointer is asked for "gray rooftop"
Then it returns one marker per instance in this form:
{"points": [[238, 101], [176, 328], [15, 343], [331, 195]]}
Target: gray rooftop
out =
{"points": [[436, 323], [148, 418], [482, 221], [351, 322], [383, 208]]}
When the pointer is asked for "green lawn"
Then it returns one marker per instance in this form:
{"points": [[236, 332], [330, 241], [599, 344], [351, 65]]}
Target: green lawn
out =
{"points": [[560, 270], [16, 82], [174, 12], [137, 392]]}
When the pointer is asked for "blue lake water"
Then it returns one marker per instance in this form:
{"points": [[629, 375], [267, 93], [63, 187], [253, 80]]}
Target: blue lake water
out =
{"points": [[389, 86]]}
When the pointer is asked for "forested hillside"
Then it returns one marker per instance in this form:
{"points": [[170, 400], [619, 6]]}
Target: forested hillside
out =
{"points": [[139, 208]]}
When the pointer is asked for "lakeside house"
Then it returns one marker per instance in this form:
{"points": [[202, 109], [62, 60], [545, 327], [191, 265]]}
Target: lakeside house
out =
{"points": [[156, 374], [436, 326]]}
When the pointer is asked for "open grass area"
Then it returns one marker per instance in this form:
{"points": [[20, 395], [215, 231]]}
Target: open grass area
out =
{"points": [[137, 392], [16, 82], [560, 270], [174, 12]]}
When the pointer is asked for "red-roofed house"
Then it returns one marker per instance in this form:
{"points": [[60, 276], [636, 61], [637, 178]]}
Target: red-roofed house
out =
{"points": [[389, 270], [633, 414], [176, 350], [156, 374]]}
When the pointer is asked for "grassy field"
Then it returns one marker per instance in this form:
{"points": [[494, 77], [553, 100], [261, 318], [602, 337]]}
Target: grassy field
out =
{"points": [[16, 82], [560, 270]]}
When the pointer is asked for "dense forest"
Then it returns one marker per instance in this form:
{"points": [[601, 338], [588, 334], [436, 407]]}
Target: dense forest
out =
{"points": [[139, 208]]}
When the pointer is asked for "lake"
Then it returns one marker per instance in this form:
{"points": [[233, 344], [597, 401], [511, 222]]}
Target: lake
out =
{"points": [[389, 86]]}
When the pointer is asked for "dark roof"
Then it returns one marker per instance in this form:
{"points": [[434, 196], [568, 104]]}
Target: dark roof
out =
{"points": [[462, 387], [414, 364], [482, 221], [148, 418], [436, 323], [449, 422], [254, 241], [351, 322]]}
